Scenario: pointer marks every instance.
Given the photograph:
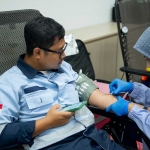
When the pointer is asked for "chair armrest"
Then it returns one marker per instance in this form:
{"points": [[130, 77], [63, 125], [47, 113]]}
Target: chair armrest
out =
{"points": [[135, 71], [103, 81], [122, 119], [110, 115]]}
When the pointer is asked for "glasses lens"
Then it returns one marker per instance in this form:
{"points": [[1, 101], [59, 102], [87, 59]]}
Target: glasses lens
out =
{"points": [[63, 50], [65, 46]]}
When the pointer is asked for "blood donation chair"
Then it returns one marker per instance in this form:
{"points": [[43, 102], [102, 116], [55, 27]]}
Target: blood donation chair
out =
{"points": [[12, 44], [133, 19]]}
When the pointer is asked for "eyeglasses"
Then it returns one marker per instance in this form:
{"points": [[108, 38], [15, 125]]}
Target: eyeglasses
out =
{"points": [[59, 53]]}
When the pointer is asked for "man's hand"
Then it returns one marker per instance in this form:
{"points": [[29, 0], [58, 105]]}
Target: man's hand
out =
{"points": [[117, 86], [55, 118], [120, 107]]}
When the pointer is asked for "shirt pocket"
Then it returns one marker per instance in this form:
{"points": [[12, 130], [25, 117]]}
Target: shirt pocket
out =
{"points": [[38, 99]]}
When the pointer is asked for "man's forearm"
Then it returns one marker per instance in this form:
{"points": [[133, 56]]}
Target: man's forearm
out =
{"points": [[40, 126], [101, 100]]}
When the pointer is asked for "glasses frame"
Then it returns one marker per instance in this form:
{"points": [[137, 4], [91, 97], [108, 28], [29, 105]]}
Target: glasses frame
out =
{"points": [[59, 53]]}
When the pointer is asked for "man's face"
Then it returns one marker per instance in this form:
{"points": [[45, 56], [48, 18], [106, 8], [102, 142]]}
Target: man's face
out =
{"points": [[52, 60]]}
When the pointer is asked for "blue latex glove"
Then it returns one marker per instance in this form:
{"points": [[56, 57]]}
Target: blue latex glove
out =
{"points": [[120, 107], [117, 86]]}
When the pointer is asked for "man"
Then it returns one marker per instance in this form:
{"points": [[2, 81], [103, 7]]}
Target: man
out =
{"points": [[33, 92]]}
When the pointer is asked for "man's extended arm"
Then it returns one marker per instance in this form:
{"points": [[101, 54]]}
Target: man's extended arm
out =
{"points": [[101, 100], [89, 91]]}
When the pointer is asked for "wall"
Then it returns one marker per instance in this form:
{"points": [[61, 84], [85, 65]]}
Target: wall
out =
{"points": [[72, 14]]}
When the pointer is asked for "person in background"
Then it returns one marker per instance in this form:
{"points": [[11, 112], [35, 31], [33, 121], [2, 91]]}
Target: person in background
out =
{"points": [[33, 92], [137, 91], [143, 47]]}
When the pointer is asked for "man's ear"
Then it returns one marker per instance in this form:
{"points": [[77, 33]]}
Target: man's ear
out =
{"points": [[37, 52]]}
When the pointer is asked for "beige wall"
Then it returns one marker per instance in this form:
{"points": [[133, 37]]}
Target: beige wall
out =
{"points": [[103, 45]]}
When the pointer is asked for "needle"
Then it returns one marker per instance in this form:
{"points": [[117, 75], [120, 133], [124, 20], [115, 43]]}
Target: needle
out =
{"points": [[124, 96]]}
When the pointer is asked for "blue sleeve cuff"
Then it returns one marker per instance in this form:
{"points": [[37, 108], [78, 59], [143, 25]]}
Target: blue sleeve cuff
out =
{"points": [[17, 133]]}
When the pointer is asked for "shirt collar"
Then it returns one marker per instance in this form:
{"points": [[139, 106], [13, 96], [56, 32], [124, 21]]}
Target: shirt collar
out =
{"points": [[27, 70]]}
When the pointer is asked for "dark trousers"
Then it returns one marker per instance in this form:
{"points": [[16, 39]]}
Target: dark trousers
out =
{"points": [[90, 139]]}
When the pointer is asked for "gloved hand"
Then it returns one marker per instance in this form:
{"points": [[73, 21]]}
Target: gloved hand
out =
{"points": [[120, 107], [117, 86]]}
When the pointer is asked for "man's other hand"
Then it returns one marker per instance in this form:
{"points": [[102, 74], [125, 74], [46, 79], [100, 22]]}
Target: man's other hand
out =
{"points": [[57, 118]]}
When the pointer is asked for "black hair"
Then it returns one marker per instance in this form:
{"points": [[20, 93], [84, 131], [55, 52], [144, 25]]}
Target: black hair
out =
{"points": [[42, 32]]}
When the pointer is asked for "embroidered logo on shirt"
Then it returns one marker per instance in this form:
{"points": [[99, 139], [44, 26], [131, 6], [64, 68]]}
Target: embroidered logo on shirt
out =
{"points": [[1, 105]]}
